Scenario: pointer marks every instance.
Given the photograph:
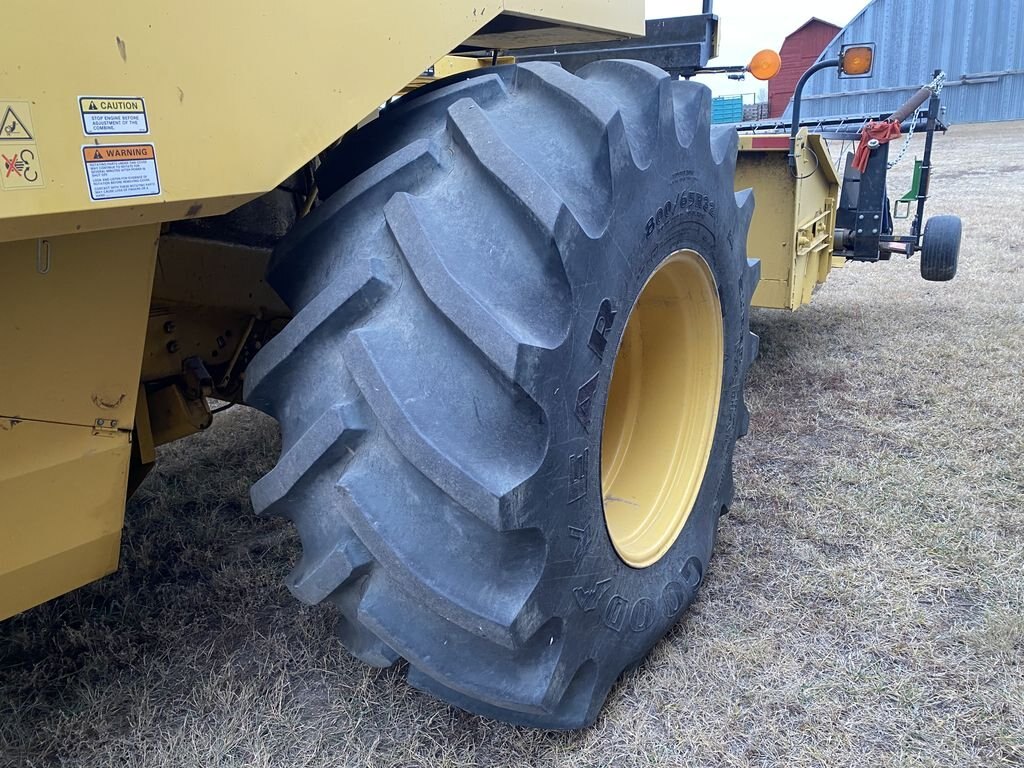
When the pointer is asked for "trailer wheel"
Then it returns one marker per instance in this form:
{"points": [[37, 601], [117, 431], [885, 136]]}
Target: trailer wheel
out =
{"points": [[940, 250], [513, 383]]}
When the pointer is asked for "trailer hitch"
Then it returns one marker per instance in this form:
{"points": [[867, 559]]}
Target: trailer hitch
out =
{"points": [[864, 220]]}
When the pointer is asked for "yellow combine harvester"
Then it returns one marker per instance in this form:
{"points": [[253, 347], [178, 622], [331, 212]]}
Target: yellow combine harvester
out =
{"points": [[502, 321]]}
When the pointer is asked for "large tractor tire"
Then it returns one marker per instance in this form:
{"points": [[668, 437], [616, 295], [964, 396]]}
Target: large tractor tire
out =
{"points": [[474, 491]]}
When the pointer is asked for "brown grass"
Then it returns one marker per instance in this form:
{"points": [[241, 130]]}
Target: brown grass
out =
{"points": [[866, 605]]}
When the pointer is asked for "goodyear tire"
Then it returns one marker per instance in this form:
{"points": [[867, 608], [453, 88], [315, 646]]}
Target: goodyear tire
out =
{"points": [[459, 309]]}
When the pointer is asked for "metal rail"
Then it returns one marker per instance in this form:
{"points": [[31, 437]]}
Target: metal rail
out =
{"points": [[680, 46], [847, 127]]}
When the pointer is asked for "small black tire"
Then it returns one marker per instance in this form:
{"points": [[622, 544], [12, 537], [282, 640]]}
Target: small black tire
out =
{"points": [[439, 459], [940, 251]]}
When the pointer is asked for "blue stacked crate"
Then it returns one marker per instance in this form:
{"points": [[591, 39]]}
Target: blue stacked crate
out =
{"points": [[727, 109]]}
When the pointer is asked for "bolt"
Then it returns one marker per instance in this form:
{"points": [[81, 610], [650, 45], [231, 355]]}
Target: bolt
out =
{"points": [[861, 216], [860, 231], [99, 422], [172, 347], [169, 326], [876, 217], [874, 231]]}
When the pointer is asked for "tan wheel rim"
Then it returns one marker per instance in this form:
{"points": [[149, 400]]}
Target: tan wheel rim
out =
{"points": [[659, 422]]}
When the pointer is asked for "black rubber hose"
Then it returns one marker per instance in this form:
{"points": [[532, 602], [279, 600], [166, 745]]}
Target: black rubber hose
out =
{"points": [[911, 105]]}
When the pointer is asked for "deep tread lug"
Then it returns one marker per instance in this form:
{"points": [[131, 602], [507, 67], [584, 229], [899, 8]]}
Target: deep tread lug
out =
{"points": [[467, 477], [358, 639], [339, 306], [333, 435], [409, 547], [312, 582]]}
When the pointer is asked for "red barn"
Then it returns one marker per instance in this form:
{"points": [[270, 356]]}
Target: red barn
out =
{"points": [[800, 50]]}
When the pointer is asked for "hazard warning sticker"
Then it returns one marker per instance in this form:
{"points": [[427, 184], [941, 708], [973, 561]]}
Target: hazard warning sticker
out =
{"points": [[15, 127], [116, 171], [108, 115], [19, 155], [19, 167]]}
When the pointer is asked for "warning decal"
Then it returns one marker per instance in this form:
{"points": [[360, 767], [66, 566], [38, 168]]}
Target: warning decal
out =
{"points": [[12, 127], [20, 168], [116, 171], [19, 155], [107, 115]]}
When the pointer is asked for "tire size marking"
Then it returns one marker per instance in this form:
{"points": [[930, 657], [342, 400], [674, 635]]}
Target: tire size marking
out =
{"points": [[602, 325], [686, 202]]}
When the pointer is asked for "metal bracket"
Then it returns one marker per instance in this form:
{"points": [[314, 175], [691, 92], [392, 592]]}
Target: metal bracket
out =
{"points": [[105, 427], [814, 235]]}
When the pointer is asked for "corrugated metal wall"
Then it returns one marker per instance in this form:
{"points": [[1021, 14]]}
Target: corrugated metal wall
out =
{"points": [[979, 44]]}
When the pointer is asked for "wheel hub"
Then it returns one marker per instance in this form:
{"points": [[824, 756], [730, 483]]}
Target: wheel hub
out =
{"points": [[662, 409]]}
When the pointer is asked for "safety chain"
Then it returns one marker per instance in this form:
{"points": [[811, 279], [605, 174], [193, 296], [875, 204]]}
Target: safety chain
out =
{"points": [[906, 143], [935, 86]]}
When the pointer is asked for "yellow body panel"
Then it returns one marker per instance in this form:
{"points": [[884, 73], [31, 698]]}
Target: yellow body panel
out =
{"points": [[794, 216], [238, 95], [597, 15], [73, 323], [62, 493], [71, 337]]}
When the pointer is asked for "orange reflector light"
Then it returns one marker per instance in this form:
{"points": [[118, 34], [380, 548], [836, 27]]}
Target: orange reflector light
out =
{"points": [[856, 60], [765, 64]]}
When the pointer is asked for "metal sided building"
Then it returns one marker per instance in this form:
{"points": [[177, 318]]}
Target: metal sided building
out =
{"points": [[978, 43]]}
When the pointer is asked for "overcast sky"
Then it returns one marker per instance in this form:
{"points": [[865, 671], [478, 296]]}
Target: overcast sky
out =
{"points": [[747, 26]]}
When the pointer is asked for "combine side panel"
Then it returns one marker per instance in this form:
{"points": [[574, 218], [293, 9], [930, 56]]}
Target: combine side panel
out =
{"points": [[71, 340], [225, 99], [63, 490]]}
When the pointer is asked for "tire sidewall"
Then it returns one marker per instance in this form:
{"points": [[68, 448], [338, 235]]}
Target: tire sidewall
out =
{"points": [[615, 612]]}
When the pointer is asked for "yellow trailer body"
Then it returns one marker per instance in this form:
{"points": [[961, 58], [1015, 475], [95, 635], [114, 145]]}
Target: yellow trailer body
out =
{"points": [[795, 217]]}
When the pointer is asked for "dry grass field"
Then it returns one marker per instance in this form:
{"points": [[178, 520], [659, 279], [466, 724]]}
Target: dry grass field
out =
{"points": [[865, 607]]}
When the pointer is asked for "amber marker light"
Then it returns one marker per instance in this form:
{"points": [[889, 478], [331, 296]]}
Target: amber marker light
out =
{"points": [[856, 60], [765, 64]]}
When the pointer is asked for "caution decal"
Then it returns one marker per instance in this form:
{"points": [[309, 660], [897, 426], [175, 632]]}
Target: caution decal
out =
{"points": [[116, 171], [19, 155], [110, 115]]}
